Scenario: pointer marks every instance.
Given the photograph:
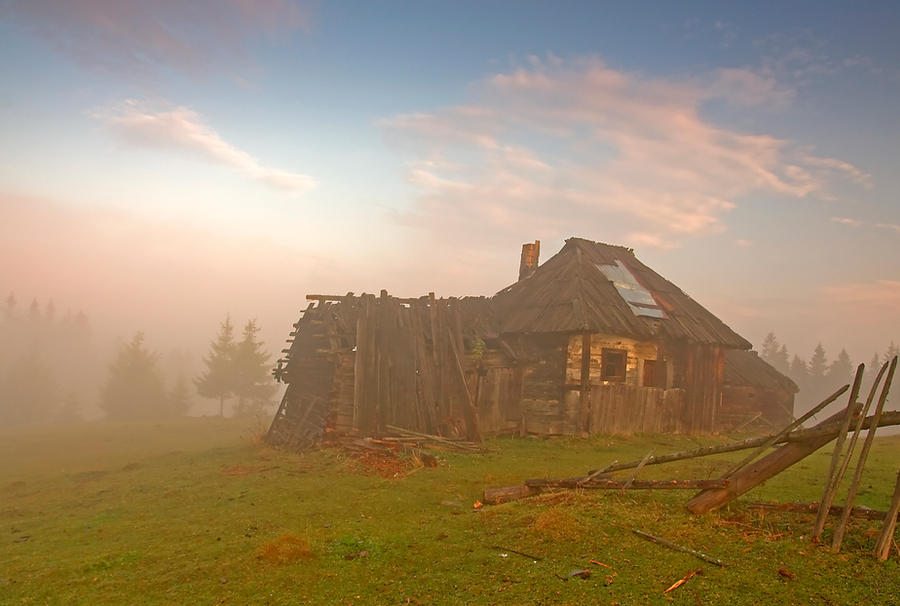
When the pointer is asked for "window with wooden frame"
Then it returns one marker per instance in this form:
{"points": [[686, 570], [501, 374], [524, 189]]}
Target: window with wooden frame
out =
{"points": [[612, 364]]}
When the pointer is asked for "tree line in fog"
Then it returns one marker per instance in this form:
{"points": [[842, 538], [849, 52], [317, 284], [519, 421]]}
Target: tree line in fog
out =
{"points": [[52, 371], [817, 376]]}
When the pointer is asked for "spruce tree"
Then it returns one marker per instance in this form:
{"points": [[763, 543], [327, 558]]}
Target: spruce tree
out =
{"points": [[253, 381], [217, 381], [134, 389], [769, 349], [781, 360], [798, 373], [891, 351], [841, 369]]}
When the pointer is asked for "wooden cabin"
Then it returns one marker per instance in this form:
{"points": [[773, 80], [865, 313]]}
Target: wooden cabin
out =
{"points": [[754, 392], [591, 341]]}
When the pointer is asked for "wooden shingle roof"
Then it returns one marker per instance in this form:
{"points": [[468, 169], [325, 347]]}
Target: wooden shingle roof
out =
{"points": [[584, 288]]}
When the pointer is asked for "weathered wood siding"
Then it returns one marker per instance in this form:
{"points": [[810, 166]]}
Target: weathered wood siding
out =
{"points": [[637, 353], [626, 409], [741, 403]]}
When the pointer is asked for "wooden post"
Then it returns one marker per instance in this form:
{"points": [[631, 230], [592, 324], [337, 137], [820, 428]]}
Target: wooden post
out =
{"points": [[470, 412], [584, 400], [760, 471], [883, 544], [861, 463], [832, 480]]}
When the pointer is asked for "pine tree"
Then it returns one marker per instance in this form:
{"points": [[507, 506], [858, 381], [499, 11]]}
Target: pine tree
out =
{"points": [[818, 363], [875, 362], [799, 373], [781, 360], [253, 382], [217, 381], [841, 369], [769, 350], [134, 388], [891, 351]]}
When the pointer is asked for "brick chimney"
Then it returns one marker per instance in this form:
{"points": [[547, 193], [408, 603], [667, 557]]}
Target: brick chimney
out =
{"points": [[531, 254]]}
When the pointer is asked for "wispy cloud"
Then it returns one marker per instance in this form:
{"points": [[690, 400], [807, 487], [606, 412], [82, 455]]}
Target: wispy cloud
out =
{"points": [[889, 226], [182, 129], [847, 221], [565, 144], [139, 37], [880, 294]]}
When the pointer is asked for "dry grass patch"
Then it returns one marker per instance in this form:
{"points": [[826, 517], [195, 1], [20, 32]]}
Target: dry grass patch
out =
{"points": [[559, 524], [286, 549]]}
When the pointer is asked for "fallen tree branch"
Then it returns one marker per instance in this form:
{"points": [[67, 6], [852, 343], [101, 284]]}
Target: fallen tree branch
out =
{"points": [[676, 547], [572, 483]]}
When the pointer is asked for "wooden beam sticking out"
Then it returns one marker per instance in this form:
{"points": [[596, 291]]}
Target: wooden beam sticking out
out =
{"points": [[758, 472]]}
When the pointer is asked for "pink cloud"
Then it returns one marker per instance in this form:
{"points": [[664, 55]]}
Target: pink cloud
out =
{"points": [[879, 294], [182, 129], [631, 154], [889, 226], [846, 221], [136, 36]]}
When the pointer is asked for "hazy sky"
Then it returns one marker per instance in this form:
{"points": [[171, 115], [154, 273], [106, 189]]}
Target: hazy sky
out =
{"points": [[163, 163]]}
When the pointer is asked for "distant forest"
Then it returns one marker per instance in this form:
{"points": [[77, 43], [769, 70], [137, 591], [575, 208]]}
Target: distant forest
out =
{"points": [[817, 377], [52, 371]]}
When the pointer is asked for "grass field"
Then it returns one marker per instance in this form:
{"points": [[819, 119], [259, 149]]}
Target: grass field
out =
{"points": [[199, 512]]}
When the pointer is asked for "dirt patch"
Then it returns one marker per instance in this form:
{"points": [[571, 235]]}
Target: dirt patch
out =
{"points": [[286, 549]]}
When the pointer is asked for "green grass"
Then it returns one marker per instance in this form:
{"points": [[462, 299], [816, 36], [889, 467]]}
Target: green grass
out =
{"points": [[183, 513]]}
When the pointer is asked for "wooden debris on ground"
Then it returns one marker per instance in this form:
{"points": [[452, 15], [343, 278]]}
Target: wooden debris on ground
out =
{"points": [[683, 580], [387, 459], [674, 546], [433, 440]]}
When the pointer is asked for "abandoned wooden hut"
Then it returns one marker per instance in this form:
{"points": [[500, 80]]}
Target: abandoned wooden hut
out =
{"points": [[753, 391], [590, 341]]}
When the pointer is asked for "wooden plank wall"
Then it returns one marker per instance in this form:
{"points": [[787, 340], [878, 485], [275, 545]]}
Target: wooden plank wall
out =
{"points": [[626, 409], [704, 368]]}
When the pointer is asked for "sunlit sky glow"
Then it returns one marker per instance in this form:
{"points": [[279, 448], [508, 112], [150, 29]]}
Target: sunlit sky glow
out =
{"points": [[163, 163]]}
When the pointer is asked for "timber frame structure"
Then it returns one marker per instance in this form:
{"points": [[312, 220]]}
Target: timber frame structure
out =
{"points": [[591, 341]]}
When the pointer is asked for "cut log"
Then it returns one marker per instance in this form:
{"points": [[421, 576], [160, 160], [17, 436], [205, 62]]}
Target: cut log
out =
{"points": [[505, 494], [756, 473]]}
